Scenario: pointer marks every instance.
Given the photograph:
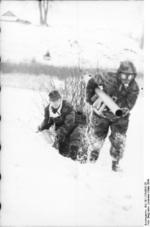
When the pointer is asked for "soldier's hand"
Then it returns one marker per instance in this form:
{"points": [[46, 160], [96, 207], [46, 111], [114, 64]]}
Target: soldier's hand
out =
{"points": [[101, 87], [38, 129], [125, 111]]}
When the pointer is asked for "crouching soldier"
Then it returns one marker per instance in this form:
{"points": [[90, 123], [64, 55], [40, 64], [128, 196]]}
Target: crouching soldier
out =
{"points": [[123, 90], [61, 114]]}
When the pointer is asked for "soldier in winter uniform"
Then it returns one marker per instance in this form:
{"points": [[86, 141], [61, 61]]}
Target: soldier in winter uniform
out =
{"points": [[123, 89], [61, 114]]}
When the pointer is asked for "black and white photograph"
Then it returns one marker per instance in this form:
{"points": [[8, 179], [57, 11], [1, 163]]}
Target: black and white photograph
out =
{"points": [[72, 114]]}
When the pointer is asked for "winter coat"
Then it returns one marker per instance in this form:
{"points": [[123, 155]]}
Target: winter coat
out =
{"points": [[124, 97]]}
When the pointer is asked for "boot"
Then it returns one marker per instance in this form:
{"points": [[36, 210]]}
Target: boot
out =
{"points": [[82, 156], [64, 149], [115, 166], [94, 156], [73, 152]]}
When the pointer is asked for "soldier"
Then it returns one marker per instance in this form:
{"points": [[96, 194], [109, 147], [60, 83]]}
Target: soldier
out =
{"points": [[123, 89], [62, 115]]}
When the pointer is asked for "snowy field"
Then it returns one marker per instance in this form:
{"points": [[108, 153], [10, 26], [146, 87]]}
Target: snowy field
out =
{"points": [[94, 48], [41, 187]]}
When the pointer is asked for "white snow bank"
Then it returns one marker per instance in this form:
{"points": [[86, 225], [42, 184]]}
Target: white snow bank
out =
{"points": [[41, 187]]}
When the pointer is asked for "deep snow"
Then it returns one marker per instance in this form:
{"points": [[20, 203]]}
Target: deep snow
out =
{"points": [[41, 187]]}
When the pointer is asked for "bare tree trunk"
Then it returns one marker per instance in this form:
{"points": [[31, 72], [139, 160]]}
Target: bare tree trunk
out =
{"points": [[40, 9], [43, 8], [46, 11]]}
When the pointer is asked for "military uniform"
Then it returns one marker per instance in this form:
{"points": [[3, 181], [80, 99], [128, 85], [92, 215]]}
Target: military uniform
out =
{"points": [[124, 97], [68, 130]]}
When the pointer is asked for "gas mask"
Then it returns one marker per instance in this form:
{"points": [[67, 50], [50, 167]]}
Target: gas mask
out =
{"points": [[126, 73], [126, 79]]}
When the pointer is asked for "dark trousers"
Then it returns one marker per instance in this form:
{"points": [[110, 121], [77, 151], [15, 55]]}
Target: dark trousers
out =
{"points": [[99, 130], [75, 141]]}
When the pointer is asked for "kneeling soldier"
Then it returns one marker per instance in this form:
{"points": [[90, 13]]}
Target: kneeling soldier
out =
{"points": [[61, 114]]}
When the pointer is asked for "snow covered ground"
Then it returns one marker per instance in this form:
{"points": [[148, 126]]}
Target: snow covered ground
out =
{"points": [[40, 187]]}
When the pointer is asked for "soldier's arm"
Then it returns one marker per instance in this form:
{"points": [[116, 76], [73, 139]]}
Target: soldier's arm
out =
{"points": [[47, 122], [90, 91], [132, 96]]}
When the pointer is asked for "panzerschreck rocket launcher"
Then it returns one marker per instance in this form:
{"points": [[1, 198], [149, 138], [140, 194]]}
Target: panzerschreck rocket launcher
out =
{"points": [[105, 100]]}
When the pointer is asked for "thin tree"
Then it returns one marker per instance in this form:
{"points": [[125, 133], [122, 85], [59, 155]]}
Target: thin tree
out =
{"points": [[43, 9]]}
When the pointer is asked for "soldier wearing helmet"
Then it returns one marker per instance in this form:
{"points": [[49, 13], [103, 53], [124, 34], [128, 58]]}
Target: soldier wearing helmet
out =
{"points": [[126, 73], [123, 89]]}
